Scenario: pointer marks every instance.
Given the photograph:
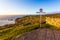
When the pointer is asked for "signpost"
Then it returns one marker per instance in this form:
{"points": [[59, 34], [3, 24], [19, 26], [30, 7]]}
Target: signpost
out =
{"points": [[40, 12]]}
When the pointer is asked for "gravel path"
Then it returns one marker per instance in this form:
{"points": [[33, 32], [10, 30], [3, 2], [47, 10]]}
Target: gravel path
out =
{"points": [[41, 34]]}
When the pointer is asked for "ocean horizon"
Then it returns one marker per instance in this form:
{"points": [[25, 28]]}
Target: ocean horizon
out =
{"points": [[5, 19]]}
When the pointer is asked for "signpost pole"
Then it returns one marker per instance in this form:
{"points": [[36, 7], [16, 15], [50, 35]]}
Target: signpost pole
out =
{"points": [[40, 11]]}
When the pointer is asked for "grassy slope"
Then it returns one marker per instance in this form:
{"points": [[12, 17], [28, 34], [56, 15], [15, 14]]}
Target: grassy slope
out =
{"points": [[19, 29], [16, 31], [23, 25], [53, 19]]}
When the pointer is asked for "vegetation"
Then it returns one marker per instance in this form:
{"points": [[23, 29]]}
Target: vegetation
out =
{"points": [[53, 20], [17, 31], [22, 26]]}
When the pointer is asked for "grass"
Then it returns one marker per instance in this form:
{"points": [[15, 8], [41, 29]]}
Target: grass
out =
{"points": [[23, 25], [10, 33], [17, 31], [49, 26]]}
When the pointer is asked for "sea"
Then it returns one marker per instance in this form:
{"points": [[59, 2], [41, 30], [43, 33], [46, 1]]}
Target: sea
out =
{"points": [[6, 19]]}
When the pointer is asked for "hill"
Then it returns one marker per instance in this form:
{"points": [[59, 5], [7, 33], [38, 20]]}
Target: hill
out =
{"points": [[22, 26], [26, 24], [53, 19]]}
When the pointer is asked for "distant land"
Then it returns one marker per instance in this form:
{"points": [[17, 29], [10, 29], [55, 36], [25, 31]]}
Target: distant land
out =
{"points": [[5, 19]]}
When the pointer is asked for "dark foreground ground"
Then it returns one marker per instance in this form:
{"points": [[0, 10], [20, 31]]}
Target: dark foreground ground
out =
{"points": [[41, 34]]}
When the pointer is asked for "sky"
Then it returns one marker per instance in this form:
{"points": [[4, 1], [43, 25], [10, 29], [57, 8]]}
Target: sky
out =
{"points": [[22, 7]]}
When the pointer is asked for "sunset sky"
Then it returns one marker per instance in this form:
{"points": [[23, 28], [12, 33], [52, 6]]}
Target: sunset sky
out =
{"points": [[17, 7]]}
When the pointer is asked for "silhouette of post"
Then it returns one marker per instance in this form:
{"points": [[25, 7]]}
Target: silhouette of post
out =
{"points": [[40, 12]]}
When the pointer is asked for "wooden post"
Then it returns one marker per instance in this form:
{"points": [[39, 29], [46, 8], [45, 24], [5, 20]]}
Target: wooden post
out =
{"points": [[40, 11]]}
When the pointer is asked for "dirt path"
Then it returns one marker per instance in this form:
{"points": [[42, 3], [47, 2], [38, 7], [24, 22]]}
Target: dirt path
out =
{"points": [[41, 34]]}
